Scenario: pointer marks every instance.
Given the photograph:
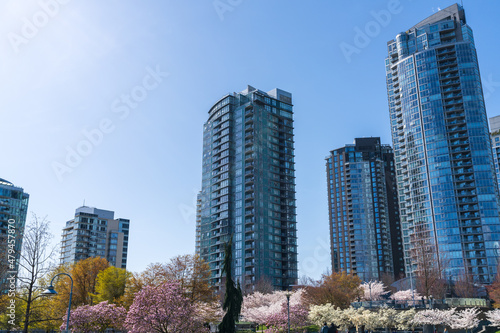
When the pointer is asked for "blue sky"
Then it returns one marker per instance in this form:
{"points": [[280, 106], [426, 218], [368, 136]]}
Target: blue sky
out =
{"points": [[69, 69]]}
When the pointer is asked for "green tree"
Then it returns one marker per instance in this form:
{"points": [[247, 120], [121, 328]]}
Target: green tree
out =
{"points": [[233, 297], [111, 284]]}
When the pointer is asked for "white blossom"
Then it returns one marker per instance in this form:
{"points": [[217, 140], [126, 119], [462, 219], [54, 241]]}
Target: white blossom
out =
{"points": [[465, 319], [326, 313], [406, 295], [434, 317], [494, 317], [387, 317], [373, 290], [257, 307], [405, 320]]}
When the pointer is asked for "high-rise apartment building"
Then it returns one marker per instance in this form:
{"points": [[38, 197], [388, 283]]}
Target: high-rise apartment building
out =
{"points": [[365, 233], [248, 188], [95, 233], [448, 195], [197, 244], [13, 209], [495, 143]]}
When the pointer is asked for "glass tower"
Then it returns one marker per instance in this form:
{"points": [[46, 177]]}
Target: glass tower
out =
{"points": [[446, 180], [13, 210], [95, 233], [248, 188], [495, 142], [365, 230]]}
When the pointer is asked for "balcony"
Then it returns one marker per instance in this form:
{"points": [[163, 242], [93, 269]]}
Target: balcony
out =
{"points": [[249, 188], [249, 157], [445, 51]]}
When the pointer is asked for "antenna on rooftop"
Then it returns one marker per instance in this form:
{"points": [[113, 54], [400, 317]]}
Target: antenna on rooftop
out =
{"points": [[83, 202]]}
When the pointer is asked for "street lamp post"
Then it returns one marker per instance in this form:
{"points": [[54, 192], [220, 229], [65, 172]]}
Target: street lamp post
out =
{"points": [[288, 309], [51, 291], [412, 290], [370, 287]]}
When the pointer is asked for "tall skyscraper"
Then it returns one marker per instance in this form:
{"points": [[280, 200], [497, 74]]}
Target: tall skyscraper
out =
{"points": [[448, 195], [95, 233], [495, 142], [248, 188], [365, 233], [197, 243], [13, 209]]}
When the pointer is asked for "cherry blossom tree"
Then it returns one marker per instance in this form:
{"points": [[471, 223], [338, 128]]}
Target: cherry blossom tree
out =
{"points": [[257, 307], [404, 320], [355, 316], [97, 318], [373, 290], [279, 321], [464, 320], [371, 320], [327, 313], [162, 309], [494, 317], [434, 317], [208, 312], [387, 318], [406, 295], [319, 314]]}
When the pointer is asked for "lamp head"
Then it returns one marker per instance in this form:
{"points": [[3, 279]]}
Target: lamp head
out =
{"points": [[50, 291]]}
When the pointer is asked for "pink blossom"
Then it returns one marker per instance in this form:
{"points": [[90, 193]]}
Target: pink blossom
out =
{"points": [[97, 318], [163, 309], [279, 321]]}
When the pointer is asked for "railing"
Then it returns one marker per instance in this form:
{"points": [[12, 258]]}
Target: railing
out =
{"points": [[424, 304]]}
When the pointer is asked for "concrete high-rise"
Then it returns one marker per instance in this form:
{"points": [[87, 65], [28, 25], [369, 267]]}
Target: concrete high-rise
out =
{"points": [[365, 233], [248, 188], [95, 233], [448, 195], [13, 210]]}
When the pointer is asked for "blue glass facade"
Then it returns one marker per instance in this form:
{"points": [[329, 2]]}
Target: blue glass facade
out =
{"points": [[495, 143], [447, 186], [248, 188], [13, 210], [364, 219]]}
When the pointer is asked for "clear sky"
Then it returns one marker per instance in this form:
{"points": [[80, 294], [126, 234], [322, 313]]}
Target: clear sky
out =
{"points": [[138, 78]]}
